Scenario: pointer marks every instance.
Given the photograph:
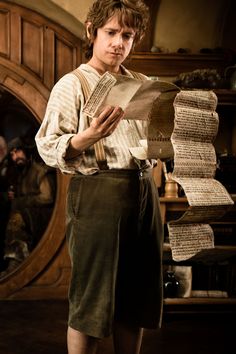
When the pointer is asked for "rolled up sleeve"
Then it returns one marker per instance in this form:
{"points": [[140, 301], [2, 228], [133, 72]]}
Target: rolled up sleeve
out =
{"points": [[60, 124]]}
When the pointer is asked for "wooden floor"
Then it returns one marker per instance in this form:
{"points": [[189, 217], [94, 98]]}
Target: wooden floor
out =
{"points": [[39, 327]]}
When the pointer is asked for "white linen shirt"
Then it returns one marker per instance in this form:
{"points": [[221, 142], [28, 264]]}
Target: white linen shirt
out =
{"points": [[64, 118]]}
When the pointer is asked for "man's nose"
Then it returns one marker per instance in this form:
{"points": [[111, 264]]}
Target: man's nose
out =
{"points": [[118, 40]]}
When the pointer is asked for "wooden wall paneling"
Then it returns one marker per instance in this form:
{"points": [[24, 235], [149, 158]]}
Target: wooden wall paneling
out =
{"points": [[15, 40], [49, 57], [72, 45], [31, 34], [4, 33], [42, 46], [65, 57], [61, 55]]}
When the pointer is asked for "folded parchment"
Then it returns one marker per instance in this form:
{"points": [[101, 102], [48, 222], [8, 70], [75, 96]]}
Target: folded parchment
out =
{"points": [[141, 100]]}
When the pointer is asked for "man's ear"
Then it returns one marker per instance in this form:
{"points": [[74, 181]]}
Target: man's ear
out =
{"points": [[88, 30]]}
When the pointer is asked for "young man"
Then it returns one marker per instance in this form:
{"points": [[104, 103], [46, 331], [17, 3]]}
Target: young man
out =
{"points": [[114, 227]]}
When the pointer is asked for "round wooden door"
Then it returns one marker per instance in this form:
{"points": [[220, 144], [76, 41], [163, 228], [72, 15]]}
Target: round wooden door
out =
{"points": [[34, 54]]}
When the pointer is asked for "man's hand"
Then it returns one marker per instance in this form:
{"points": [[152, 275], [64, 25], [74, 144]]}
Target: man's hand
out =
{"points": [[100, 127], [105, 124]]}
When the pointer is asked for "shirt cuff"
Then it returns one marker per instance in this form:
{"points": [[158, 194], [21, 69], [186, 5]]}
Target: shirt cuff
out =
{"points": [[70, 165]]}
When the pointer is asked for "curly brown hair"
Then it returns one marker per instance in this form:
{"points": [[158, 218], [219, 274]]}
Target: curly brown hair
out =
{"points": [[131, 13]]}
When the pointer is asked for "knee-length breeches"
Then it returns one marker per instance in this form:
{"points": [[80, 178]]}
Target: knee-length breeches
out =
{"points": [[115, 236]]}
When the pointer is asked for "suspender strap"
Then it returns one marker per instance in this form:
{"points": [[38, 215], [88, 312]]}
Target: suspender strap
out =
{"points": [[84, 83], [98, 146]]}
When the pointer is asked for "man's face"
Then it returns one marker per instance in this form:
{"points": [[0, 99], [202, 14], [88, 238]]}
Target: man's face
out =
{"points": [[19, 157], [112, 45]]}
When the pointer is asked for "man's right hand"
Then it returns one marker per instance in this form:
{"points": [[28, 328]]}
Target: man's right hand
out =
{"points": [[107, 121]]}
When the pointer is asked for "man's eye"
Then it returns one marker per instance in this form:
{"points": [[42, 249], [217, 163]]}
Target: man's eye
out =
{"points": [[128, 36]]}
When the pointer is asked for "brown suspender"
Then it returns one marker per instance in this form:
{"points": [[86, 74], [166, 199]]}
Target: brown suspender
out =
{"points": [[98, 146]]}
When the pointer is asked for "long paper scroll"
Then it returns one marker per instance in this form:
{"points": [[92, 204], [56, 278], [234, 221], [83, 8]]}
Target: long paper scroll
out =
{"points": [[195, 128], [181, 124]]}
